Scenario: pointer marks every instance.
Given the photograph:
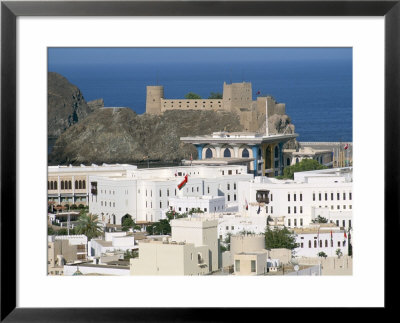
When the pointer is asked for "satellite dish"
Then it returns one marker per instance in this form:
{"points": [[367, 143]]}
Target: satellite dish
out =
{"points": [[296, 268]]}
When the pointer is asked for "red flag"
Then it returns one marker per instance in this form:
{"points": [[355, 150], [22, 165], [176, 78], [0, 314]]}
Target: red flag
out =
{"points": [[345, 235], [346, 146], [183, 182]]}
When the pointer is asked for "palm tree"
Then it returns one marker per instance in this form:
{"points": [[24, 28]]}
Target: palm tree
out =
{"points": [[88, 224]]}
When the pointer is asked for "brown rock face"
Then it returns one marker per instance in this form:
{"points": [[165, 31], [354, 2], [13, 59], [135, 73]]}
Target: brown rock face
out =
{"points": [[65, 104], [119, 135]]}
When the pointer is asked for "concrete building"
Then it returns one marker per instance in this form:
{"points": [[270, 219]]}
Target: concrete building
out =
{"points": [[236, 97], [293, 156], [327, 192], [192, 250], [113, 242], [203, 203], [318, 238], [251, 263], [262, 153], [64, 249], [69, 184], [144, 193]]}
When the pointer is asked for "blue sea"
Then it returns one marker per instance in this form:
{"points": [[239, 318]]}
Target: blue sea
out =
{"points": [[317, 93]]}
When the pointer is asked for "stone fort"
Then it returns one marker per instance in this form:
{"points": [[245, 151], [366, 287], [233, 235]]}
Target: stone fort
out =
{"points": [[236, 97]]}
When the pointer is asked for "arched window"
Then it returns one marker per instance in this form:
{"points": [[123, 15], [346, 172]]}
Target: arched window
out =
{"points": [[245, 153], [62, 185], [84, 184], [76, 185], [309, 243], [209, 153], [70, 185], [297, 160], [288, 162], [315, 243], [276, 152], [49, 186], [55, 185], [227, 153], [80, 184]]}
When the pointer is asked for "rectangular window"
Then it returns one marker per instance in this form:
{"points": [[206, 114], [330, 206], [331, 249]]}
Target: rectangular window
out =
{"points": [[337, 223], [331, 196], [313, 196], [338, 243], [253, 266], [294, 209], [319, 195], [237, 265], [326, 196], [301, 197], [271, 197], [228, 186], [344, 196], [338, 196], [288, 197], [266, 209], [160, 193], [234, 186], [229, 198], [167, 192], [226, 228], [338, 207], [350, 196], [331, 243], [344, 223], [232, 227], [208, 189], [302, 245], [234, 197], [205, 209], [301, 209], [288, 209], [295, 222], [294, 197], [272, 210], [160, 205], [301, 222], [349, 223], [326, 243], [288, 222], [229, 172]]}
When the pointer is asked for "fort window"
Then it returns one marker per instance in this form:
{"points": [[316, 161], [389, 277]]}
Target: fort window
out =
{"points": [[245, 153], [227, 153]]}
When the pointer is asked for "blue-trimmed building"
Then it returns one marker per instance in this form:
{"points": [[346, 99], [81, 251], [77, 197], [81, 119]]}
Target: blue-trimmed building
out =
{"points": [[262, 153]]}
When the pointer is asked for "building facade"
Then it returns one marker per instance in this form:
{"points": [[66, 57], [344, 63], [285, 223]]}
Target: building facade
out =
{"points": [[299, 201], [262, 153], [144, 194]]}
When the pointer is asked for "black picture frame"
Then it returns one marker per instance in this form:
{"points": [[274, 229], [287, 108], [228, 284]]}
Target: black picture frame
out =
{"points": [[10, 10]]}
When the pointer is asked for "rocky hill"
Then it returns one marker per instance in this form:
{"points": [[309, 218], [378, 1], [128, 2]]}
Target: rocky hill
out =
{"points": [[66, 104], [89, 133], [119, 135]]}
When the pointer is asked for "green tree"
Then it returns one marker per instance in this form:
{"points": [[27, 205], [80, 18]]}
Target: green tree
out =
{"points": [[280, 238], [320, 219], [160, 227], [50, 231], [128, 223], [322, 254], [304, 165], [192, 96], [227, 241], [215, 95], [131, 254], [88, 224], [73, 207]]}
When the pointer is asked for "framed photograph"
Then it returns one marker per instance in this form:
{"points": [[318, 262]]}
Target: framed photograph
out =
{"points": [[40, 38]]}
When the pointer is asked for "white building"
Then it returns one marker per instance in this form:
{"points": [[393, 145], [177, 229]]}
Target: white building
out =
{"points": [[318, 238], [144, 193], [232, 223], [114, 241], [88, 269], [203, 203], [327, 192]]}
